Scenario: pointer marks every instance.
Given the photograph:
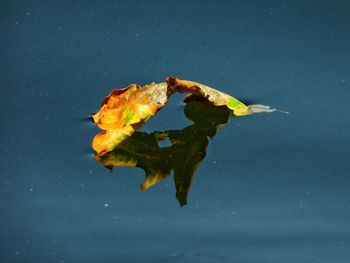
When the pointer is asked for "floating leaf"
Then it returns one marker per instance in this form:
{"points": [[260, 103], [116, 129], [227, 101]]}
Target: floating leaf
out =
{"points": [[182, 157], [124, 111]]}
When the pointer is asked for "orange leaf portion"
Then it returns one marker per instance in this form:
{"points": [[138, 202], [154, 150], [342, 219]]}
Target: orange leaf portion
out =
{"points": [[123, 111]]}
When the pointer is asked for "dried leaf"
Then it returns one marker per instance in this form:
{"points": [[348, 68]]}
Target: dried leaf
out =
{"points": [[124, 111]]}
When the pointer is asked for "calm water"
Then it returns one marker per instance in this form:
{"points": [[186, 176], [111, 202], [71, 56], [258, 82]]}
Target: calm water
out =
{"points": [[272, 188]]}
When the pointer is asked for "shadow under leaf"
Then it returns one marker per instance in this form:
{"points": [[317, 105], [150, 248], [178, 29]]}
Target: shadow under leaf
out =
{"points": [[186, 150]]}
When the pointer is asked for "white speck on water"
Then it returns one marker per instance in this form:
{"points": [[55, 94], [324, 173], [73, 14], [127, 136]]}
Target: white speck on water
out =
{"points": [[137, 35], [106, 205], [31, 189], [282, 111], [214, 162], [233, 212], [307, 193]]}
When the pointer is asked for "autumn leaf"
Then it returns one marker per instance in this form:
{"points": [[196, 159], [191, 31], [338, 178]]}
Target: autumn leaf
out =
{"points": [[124, 111]]}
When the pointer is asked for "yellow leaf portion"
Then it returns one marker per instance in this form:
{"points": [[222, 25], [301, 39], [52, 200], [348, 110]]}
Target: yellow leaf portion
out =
{"points": [[106, 141], [152, 180]]}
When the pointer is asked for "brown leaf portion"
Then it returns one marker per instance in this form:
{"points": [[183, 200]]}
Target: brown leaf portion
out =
{"points": [[214, 97]]}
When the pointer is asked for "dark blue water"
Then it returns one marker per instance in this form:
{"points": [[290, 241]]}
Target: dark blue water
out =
{"points": [[273, 187]]}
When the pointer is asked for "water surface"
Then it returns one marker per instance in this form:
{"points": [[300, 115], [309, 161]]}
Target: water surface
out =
{"points": [[283, 197]]}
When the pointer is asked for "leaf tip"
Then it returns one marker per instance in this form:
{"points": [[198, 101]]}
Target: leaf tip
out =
{"points": [[258, 108]]}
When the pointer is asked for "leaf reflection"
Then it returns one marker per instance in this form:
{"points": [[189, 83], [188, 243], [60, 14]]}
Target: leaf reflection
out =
{"points": [[181, 158]]}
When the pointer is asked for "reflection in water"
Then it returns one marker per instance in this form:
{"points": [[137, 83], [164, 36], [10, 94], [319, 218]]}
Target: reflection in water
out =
{"points": [[186, 150]]}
